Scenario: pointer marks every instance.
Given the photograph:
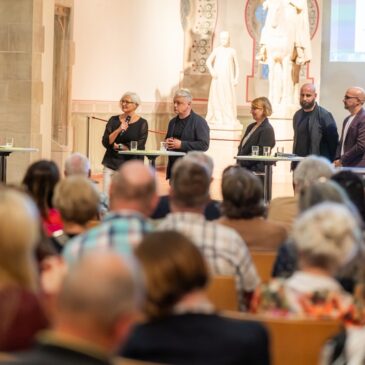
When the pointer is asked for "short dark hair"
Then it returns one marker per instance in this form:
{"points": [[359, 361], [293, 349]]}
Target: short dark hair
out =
{"points": [[40, 180], [242, 193], [354, 187], [173, 267], [190, 182]]}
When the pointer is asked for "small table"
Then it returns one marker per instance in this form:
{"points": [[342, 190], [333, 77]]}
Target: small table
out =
{"points": [[5, 152], [268, 162], [152, 154]]}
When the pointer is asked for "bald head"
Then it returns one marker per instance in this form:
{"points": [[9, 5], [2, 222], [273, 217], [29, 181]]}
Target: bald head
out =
{"points": [[357, 91], [307, 98], [308, 87], [133, 187], [354, 99], [98, 291]]}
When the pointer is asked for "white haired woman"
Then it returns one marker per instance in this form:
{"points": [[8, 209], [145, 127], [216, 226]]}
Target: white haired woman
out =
{"points": [[119, 132], [326, 237]]}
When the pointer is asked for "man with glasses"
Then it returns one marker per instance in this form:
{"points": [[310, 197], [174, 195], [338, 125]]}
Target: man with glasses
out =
{"points": [[187, 131], [351, 149], [315, 130]]}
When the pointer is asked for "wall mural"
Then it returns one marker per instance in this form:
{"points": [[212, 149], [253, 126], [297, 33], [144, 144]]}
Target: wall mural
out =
{"points": [[198, 19]]}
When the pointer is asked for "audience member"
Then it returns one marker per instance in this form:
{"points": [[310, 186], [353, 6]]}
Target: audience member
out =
{"points": [[316, 193], [132, 198], [285, 209], [243, 209], [77, 200], [182, 326], [326, 237], [20, 310], [187, 131], [119, 132], [40, 180], [222, 247], [351, 149], [95, 309], [354, 187], [78, 164], [211, 211]]}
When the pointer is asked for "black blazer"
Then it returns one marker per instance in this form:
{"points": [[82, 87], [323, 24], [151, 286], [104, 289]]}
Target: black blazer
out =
{"points": [[354, 151], [264, 135]]}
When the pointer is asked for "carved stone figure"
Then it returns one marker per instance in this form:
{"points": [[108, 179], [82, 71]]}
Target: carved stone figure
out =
{"points": [[285, 46], [223, 66]]}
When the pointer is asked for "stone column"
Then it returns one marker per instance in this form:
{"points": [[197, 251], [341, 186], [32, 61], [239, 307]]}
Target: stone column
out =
{"points": [[21, 87]]}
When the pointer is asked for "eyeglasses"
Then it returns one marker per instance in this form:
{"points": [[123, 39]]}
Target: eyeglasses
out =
{"points": [[256, 108], [346, 97], [127, 102]]}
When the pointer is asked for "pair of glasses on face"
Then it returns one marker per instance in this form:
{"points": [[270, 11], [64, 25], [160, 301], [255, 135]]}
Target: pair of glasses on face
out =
{"points": [[347, 97], [126, 102]]}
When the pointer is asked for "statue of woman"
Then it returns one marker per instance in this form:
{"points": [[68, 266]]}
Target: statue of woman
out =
{"points": [[223, 66]]}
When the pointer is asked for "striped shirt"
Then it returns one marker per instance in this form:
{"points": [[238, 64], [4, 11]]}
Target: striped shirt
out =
{"points": [[120, 231], [223, 248]]}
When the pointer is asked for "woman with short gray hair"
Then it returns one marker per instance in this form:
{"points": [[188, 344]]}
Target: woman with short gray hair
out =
{"points": [[119, 132], [326, 238]]}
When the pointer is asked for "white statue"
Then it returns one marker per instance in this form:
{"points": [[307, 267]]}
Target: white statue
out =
{"points": [[223, 66], [285, 46]]}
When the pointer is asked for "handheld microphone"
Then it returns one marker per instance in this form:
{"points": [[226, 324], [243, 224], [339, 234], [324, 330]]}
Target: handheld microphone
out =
{"points": [[127, 120]]}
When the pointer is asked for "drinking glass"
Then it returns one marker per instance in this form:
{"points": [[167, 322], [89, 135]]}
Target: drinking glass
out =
{"points": [[163, 146], [267, 150], [134, 145], [9, 142], [255, 150]]}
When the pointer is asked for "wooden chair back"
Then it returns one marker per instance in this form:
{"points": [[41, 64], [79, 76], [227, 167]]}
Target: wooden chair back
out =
{"points": [[294, 341], [6, 356], [264, 262], [222, 292]]}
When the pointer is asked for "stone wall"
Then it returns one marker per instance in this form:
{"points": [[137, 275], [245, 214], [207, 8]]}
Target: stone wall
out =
{"points": [[21, 88]]}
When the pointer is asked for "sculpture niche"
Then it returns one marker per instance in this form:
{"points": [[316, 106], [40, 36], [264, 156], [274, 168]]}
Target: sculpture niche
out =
{"points": [[285, 46]]}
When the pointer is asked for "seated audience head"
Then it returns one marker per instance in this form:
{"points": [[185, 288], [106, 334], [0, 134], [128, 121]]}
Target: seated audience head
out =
{"points": [[320, 192], [203, 158], [99, 310], [311, 169], [19, 234], [133, 187], [40, 180], [173, 267], [242, 194], [189, 186], [326, 237], [262, 103], [77, 164], [353, 185], [77, 200]]}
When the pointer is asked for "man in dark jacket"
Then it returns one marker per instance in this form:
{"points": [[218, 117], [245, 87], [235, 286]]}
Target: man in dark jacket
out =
{"points": [[187, 131], [351, 149], [315, 130]]}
